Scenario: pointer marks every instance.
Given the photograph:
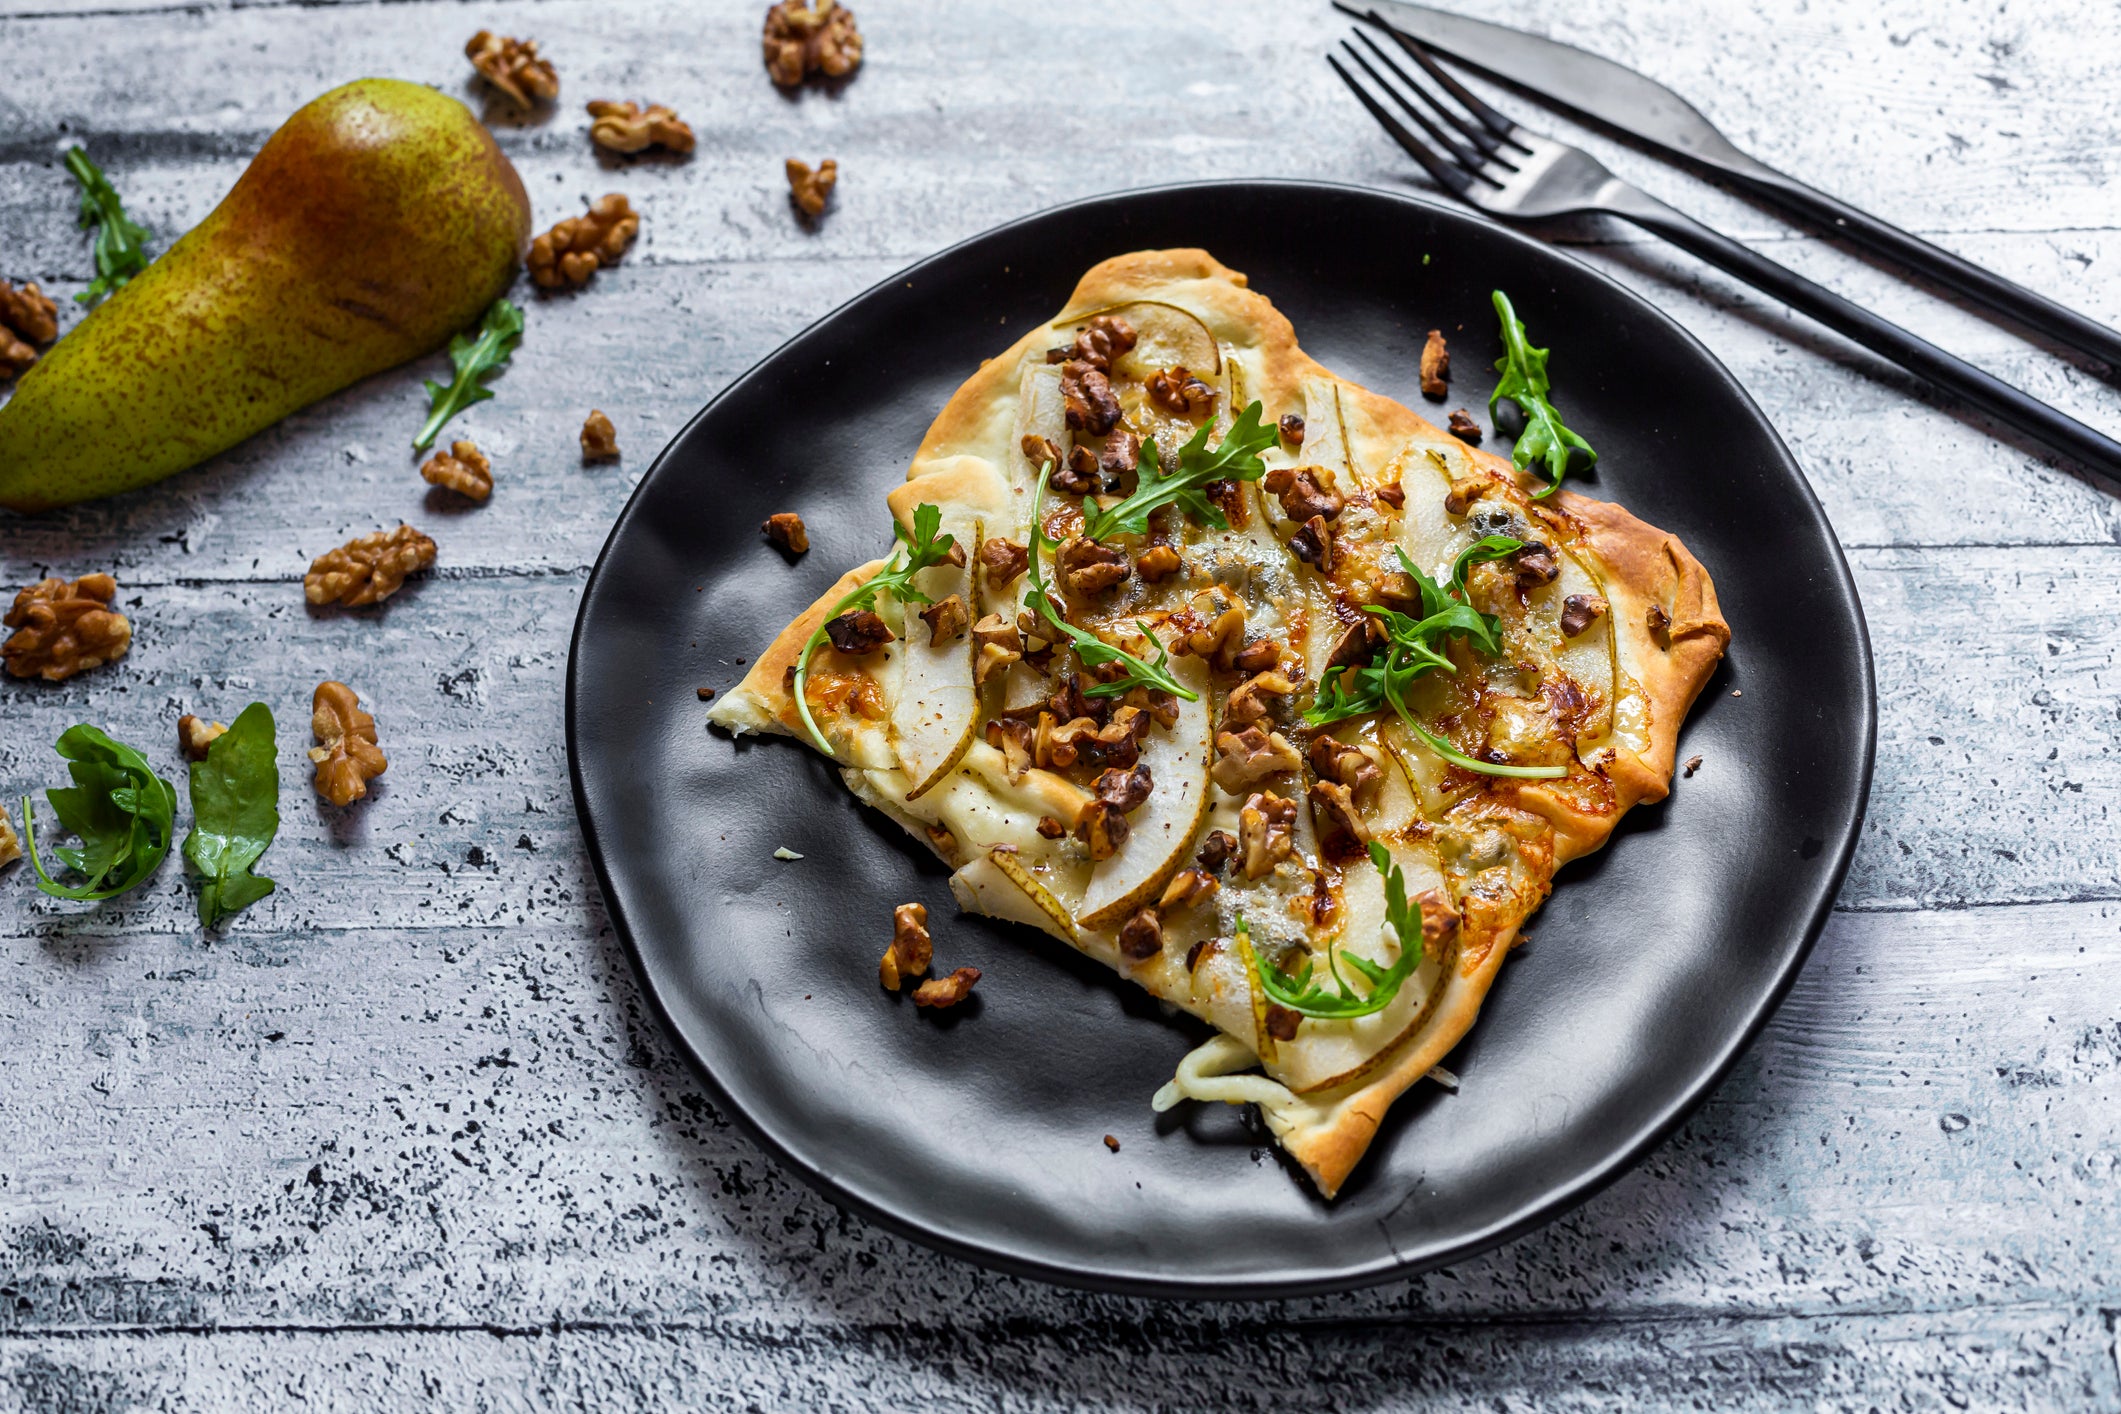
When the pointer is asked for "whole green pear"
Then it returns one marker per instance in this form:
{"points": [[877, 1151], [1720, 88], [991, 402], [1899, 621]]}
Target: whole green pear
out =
{"points": [[378, 221]]}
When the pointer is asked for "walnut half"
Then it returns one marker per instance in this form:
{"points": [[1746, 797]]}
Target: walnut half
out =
{"points": [[911, 950], [346, 752], [10, 847], [27, 317], [61, 629], [513, 66], [812, 187], [803, 39], [463, 469], [576, 248], [367, 570], [628, 127], [946, 991], [600, 440]]}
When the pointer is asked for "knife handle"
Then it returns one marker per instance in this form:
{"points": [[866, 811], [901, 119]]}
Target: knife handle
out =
{"points": [[2035, 311], [2087, 446]]}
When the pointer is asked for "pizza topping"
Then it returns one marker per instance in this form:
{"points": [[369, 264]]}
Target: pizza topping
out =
{"points": [[1087, 567], [996, 644], [1464, 428], [1394, 495], [1267, 829], [1039, 450], [1206, 947], [1101, 827], [1237, 459], [1302, 493], [1004, 560], [1124, 790], [1245, 758], [1178, 392], [1536, 564], [1460, 498], [1435, 367], [1341, 832], [911, 950], [1092, 651], [1220, 641], [1314, 544], [1187, 887], [1142, 936], [1439, 920], [938, 992], [1079, 475], [1257, 656], [1291, 428], [1358, 644], [1282, 1022], [946, 620], [1579, 612], [1215, 851], [1659, 624], [1248, 700], [858, 632], [1351, 766], [1087, 400], [1097, 343], [1158, 563], [1013, 738], [1118, 455]]}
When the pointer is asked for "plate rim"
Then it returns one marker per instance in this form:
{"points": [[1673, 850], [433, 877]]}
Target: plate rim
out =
{"points": [[1557, 1200]]}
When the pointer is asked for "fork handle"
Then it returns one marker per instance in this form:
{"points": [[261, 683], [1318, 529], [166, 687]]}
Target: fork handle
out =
{"points": [[2087, 446]]}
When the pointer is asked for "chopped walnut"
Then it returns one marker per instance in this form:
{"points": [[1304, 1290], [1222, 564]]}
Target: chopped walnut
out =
{"points": [[195, 736], [1058, 744], [1693, 764], [946, 619], [996, 644], [1394, 495], [1004, 561], [811, 187], [575, 249], [1460, 498], [1580, 611], [911, 949], [1158, 563], [628, 127], [1206, 947], [1097, 343], [1102, 827], [1304, 492], [1257, 656], [1282, 1022], [1088, 403], [1266, 827], [600, 440], [1219, 642], [1247, 701], [1439, 920], [1080, 474], [346, 752], [1177, 391], [1351, 766], [27, 317], [1463, 427], [1112, 1142], [1435, 367], [801, 40], [1124, 790], [1396, 590], [1119, 454], [367, 570], [1038, 450], [513, 66], [1141, 937], [1215, 851], [946, 991], [1187, 887], [1050, 828], [1656, 620], [1244, 759], [1341, 831], [10, 847], [1535, 564], [1015, 740], [1291, 428], [784, 531], [463, 469], [858, 632], [1087, 567], [63, 628], [1358, 644], [1314, 544]]}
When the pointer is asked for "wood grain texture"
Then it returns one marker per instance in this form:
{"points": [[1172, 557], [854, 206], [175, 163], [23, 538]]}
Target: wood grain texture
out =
{"points": [[406, 1137]]}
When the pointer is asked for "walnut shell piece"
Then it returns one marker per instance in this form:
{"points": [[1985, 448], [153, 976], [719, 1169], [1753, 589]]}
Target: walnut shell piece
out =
{"points": [[513, 66], [346, 752], [600, 440], [576, 248], [27, 317], [63, 628], [195, 736], [367, 570], [948, 991], [812, 186], [802, 39], [630, 128], [911, 950], [463, 469]]}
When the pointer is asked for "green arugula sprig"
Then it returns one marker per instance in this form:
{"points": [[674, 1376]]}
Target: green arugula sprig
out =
{"points": [[122, 812], [235, 806], [1308, 995], [1543, 438], [913, 553], [1237, 459], [1092, 650], [1414, 647], [475, 360], [121, 242]]}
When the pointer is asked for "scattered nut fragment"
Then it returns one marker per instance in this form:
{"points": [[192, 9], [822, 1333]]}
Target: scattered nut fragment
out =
{"points": [[1112, 1143], [600, 440], [1004, 561], [10, 847], [1176, 390], [1341, 831], [946, 991], [1580, 611], [801, 40], [1462, 495], [346, 754], [1247, 701], [1656, 620], [1087, 567], [946, 619], [1141, 937], [1535, 564], [784, 530], [705, 694], [1304, 492], [367, 570], [1463, 427], [911, 948], [1050, 828], [1088, 403], [1435, 367], [1291, 428], [1215, 851], [463, 469], [628, 127], [997, 644], [1282, 1022], [1439, 920], [513, 66], [576, 248], [1693, 764], [1102, 827], [195, 736], [1187, 887], [1267, 828], [858, 632], [27, 317], [1158, 563], [61, 629], [812, 187], [1245, 758]]}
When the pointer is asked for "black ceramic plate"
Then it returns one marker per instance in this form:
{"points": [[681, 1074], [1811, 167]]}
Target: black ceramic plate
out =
{"points": [[980, 1131]]}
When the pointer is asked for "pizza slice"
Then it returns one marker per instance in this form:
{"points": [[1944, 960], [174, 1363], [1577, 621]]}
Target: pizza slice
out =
{"points": [[1249, 683]]}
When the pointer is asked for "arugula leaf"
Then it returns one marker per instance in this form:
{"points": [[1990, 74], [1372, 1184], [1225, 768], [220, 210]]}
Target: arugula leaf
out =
{"points": [[122, 812], [1237, 459], [1524, 382], [475, 359], [1092, 650], [1307, 995], [922, 549], [235, 806], [121, 242]]}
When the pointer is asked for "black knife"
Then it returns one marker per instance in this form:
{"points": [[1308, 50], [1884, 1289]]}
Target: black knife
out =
{"points": [[1586, 86]]}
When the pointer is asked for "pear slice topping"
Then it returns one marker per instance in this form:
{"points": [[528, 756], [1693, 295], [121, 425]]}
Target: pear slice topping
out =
{"points": [[934, 705], [1164, 334], [1161, 831]]}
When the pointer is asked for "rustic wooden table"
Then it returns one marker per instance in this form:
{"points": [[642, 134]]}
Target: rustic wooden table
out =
{"points": [[406, 1138]]}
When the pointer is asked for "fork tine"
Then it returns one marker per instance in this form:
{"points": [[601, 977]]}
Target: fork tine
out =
{"points": [[1488, 145], [1495, 122], [1450, 178], [1465, 156]]}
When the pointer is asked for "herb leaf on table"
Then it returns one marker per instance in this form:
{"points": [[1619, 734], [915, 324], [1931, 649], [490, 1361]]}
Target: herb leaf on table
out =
{"points": [[121, 811], [475, 360], [121, 242], [1237, 459], [1544, 438], [235, 806]]}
